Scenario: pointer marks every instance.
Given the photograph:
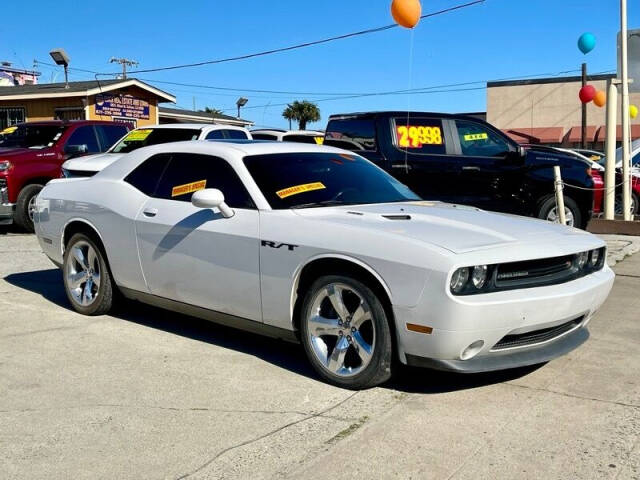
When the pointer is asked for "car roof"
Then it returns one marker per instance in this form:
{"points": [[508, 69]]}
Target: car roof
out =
{"points": [[397, 113], [71, 122], [192, 126], [275, 131]]}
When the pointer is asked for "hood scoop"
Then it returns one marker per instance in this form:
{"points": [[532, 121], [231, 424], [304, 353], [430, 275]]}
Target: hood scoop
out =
{"points": [[397, 217]]}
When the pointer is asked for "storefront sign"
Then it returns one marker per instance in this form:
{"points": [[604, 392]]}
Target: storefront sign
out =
{"points": [[122, 106]]}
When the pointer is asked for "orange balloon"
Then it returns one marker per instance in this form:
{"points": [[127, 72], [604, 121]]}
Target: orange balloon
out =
{"points": [[406, 13], [600, 99]]}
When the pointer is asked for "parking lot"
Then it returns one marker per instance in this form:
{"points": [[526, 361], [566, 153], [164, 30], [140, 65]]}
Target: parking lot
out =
{"points": [[152, 394]]}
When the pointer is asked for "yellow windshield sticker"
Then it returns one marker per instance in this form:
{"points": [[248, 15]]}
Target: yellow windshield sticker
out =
{"points": [[472, 137], [9, 130], [138, 135], [307, 187], [188, 188], [319, 140]]}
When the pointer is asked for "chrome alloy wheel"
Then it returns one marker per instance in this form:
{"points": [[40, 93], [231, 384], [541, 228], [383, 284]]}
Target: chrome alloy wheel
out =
{"points": [[83, 273], [553, 216], [341, 330]]}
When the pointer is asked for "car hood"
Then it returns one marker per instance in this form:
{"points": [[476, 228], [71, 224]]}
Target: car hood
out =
{"points": [[91, 163], [456, 228], [17, 153]]}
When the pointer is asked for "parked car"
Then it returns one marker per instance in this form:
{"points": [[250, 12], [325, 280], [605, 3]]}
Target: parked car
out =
{"points": [[297, 136], [319, 245], [152, 135], [460, 159], [31, 154], [635, 180], [594, 155]]}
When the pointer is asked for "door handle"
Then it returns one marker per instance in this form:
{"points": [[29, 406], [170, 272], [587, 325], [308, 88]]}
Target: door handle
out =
{"points": [[150, 212], [471, 168]]}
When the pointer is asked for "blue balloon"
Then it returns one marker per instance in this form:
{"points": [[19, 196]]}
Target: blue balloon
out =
{"points": [[587, 42]]}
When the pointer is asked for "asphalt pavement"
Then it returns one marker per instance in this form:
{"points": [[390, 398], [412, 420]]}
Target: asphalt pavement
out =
{"points": [[149, 394]]}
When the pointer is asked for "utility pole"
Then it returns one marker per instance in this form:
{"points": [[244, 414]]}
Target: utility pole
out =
{"points": [[583, 141], [125, 62]]}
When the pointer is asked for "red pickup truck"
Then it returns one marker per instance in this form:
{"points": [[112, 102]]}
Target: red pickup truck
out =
{"points": [[31, 154]]}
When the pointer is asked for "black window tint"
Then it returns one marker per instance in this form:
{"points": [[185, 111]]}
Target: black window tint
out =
{"points": [[143, 137], [237, 134], [110, 134], [292, 180], [147, 175], [263, 136], [85, 136], [476, 140], [215, 135], [352, 134], [188, 172], [419, 135], [301, 138]]}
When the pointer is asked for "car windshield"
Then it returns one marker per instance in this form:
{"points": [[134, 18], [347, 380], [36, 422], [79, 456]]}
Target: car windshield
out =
{"points": [[305, 180], [31, 136], [143, 137]]}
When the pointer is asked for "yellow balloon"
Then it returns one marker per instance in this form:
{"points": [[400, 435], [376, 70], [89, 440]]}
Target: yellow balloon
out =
{"points": [[633, 111]]}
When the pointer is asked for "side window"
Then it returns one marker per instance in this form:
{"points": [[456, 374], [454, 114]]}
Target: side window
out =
{"points": [[237, 134], [419, 135], [300, 139], [476, 140], [215, 135], [110, 134], [85, 136], [188, 173], [352, 134], [147, 175]]}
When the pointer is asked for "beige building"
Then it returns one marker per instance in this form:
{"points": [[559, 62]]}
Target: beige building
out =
{"points": [[549, 111]]}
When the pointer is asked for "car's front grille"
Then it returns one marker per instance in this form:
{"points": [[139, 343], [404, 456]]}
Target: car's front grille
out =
{"points": [[4, 191], [537, 336], [535, 272]]}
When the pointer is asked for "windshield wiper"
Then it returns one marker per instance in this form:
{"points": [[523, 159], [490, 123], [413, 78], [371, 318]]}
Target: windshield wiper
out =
{"points": [[323, 203]]}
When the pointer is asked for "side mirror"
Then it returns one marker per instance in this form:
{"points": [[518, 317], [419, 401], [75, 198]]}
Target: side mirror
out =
{"points": [[211, 198], [75, 150]]}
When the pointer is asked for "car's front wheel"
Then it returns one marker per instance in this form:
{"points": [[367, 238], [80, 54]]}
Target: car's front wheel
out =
{"points": [[548, 210], [26, 207], [87, 279], [345, 333]]}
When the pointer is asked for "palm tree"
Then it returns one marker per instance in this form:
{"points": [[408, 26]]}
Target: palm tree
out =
{"points": [[212, 110], [302, 112]]}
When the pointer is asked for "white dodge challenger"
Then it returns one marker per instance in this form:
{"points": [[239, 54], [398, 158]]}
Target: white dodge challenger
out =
{"points": [[318, 245]]}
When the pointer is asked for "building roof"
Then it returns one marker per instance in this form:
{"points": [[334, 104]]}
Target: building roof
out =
{"points": [[540, 81], [205, 117], [10, 69], [77, 89]]}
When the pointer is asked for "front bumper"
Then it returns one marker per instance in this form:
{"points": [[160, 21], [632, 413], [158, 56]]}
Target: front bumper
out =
{"points": [[6, 213], [457, 323]]}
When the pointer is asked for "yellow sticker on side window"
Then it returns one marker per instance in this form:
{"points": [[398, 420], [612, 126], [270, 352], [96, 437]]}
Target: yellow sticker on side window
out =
{"points": [[8, 130], [319, 140], [188, 188], [307, 187], [472, 137], [138, 135]]}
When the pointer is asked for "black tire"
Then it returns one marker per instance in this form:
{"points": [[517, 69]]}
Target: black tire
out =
{"points": [[547, 204], [104, 294], [378, 370], [21, 216]]}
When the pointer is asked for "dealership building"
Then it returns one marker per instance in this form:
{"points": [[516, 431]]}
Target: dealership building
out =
{"points": [[129, 101], [548, 111]]}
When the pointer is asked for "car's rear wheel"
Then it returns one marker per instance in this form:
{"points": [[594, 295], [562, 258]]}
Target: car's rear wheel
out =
{"points": [[634, 204], [548, 210], [345, 333], [26, 207], [87, 279]]}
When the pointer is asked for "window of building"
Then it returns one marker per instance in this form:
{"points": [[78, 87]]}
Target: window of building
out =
{"points": [[11, 116], [187, 173], [351, 134]]}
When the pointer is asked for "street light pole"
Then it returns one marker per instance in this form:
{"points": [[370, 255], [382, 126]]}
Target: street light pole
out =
{"points": [[626, 190]]}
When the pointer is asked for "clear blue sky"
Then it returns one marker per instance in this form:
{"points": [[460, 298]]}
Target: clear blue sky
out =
{"points": [[494, 40]]}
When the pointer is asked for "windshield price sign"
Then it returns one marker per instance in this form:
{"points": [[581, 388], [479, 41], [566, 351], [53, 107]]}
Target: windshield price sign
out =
{"points": [[415, 136]]}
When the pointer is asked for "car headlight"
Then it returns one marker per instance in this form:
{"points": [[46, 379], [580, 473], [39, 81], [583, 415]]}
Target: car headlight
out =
{"points": [[595, 258], [5, 165], [479, 276], [581, 260], [459, 279]]}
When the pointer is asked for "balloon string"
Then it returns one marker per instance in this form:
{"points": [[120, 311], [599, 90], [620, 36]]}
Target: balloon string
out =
{"points": [[406, 150]]}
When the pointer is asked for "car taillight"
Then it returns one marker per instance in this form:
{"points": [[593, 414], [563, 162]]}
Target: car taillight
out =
{"points": [[589, 172]]}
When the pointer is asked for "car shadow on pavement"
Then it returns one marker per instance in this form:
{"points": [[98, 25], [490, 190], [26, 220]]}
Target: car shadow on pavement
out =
{"points": [[48, 284]]}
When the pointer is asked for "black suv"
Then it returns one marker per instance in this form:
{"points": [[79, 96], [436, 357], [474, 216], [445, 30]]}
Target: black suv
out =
{"points": [[461, 159]]}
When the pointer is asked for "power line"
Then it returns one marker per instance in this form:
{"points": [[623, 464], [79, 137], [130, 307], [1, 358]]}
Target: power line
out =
{"points": [[301, 45]]}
